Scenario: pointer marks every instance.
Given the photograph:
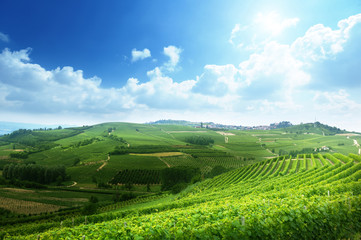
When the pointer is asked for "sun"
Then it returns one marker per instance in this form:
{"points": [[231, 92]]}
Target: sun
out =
{"points": [[272, 23]]}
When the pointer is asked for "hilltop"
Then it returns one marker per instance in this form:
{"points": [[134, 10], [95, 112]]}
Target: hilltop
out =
{"points": [[315, 127]]}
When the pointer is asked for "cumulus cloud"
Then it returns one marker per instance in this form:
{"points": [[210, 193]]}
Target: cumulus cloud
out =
{"points": [[29, 87], [322, 42], [4, 37], [161, 91], [174, 55], [218, 80], [273, 79], [140, 55]]}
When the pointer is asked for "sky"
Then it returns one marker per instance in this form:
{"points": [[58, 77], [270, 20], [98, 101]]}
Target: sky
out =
{"points": [[233, 62]]}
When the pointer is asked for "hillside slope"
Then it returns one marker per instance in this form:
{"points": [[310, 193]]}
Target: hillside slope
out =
{"points": [[308, 197]]}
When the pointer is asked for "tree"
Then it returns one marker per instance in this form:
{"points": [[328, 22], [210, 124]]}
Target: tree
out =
{"points": [[181, 174], [128, 186]]}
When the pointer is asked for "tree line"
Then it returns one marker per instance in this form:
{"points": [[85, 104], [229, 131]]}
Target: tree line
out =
{"points": [[34, 173], [199, 140]]}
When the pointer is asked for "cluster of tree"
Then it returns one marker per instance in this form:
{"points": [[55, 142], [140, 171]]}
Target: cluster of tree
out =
{"points": [[330, 130], [119, 197], [111, 129], [85, 142], [91, 207], [118, 139], [38, 140], [177, 178], [199, 140], [316, 127], [21, 183], [282, 124], [48, 129], [21, 155], [34, 173], [119, 150]]}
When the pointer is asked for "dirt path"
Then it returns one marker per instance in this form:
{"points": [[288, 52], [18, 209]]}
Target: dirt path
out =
{"points": [[104, 164], [164, 162], [357, 145], [74, 183]]}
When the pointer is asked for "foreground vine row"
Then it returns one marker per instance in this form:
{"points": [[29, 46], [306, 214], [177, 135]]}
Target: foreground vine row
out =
{"points": [[310, 197]]}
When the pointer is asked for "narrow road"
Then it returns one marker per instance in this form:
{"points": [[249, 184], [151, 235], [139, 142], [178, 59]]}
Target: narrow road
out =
{"points": [[74, 183], [103, 165], [357, 145]]}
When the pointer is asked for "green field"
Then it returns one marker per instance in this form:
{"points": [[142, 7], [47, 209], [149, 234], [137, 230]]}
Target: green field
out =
{"points": [[256, 201], [290, 176]]}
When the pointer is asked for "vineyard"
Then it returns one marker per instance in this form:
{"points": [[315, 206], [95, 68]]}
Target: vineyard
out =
{"points": [[312, 196], [205, 163], [137, 176], [26, 207]]}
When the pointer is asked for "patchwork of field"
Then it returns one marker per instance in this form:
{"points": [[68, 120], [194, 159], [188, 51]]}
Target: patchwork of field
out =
{"points": [[85, 153], [311, 196]]}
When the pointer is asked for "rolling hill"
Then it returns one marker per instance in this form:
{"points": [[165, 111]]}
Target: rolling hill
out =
{"points": [[284, 183]]}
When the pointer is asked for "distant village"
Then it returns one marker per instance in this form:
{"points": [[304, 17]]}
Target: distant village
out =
{"points": [[212, 125]]}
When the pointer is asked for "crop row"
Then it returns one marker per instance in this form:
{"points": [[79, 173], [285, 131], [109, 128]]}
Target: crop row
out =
{"points": [[137, 176], [254, 202]]}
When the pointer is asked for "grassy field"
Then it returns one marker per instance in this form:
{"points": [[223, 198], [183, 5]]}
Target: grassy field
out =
{"points": [[87, 155]]}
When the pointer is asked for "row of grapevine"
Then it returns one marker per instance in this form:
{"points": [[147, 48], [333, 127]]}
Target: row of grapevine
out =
{"points": [[204, 163], [319, 202], [137, 176], [355, 157]]}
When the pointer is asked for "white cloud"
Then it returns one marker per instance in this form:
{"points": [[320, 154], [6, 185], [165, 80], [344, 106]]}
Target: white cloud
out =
{"points": [[4, 37], [174, 55], [29, 87], [140, 55], [272, 81], [236, 29], [218, 80], [161, 91], [322, 42]]}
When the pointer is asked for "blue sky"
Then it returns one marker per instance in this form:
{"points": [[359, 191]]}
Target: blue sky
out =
{"points": [[232, 62]]}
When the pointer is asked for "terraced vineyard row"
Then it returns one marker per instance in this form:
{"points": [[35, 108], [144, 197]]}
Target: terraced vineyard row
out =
{"points": [[137, 176], [310, 197], [204, 163]]}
